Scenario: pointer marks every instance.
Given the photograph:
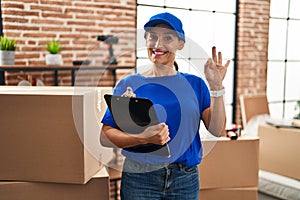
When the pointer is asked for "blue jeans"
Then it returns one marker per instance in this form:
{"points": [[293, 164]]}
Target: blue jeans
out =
{"points": [[171, 182]]}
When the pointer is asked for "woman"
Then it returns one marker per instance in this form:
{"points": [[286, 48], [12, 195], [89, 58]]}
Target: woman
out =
{"points": [[183, 101]]}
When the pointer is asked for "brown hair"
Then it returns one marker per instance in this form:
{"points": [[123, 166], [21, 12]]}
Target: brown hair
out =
{"points": [[176, 65]]}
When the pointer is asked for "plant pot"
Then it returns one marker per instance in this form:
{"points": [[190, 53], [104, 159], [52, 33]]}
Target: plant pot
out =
{"points": [[7, 57], [54, 59]]}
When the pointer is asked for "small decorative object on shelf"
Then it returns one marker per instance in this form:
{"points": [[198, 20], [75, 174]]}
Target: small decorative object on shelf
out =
{"points": [[54, 58], [297, 110], [7, 51], [81, 62], [109, 40], [234, 131]]}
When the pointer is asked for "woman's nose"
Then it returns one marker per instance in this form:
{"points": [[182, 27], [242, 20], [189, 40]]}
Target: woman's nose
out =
{"points": [[157, 44]]}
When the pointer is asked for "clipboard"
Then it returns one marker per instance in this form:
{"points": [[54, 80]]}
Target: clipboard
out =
{"points": [[133, 115]]}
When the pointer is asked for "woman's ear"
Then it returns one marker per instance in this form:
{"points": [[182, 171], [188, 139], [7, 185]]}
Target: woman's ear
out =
{"points": [[181, 44]]}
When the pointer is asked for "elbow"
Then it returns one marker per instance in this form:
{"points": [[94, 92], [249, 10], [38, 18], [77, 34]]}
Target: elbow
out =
{"points": [[218, 130], [104, 140]]}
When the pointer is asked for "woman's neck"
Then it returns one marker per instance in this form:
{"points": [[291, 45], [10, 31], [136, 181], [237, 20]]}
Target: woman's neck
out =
{"points": [[162, 70]]}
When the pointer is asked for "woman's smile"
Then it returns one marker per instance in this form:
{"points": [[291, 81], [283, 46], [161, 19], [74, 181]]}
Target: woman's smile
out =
{"points": [[158, 52]]}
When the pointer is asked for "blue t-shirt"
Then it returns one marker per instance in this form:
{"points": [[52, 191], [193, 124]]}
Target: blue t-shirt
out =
{"points": [[179, 101]]}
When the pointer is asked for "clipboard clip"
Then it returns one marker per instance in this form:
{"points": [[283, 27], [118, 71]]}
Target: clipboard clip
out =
{"points": [[129, 92]]}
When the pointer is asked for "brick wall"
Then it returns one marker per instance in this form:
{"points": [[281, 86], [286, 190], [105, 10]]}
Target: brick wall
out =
{"points": [[75, 24], [253, 30]]}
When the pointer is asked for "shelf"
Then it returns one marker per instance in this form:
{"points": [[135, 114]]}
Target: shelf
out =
{"points": [[55, 69]]}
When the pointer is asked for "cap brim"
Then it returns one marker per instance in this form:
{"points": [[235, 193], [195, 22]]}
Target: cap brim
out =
{"points": [[153, 23]]}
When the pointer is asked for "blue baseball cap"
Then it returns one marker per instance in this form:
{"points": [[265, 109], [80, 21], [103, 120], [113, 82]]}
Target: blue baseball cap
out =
{"points": [[169, 19]]}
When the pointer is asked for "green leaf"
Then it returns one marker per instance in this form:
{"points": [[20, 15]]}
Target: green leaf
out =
{"points": [[53, 47], [7, 44]]}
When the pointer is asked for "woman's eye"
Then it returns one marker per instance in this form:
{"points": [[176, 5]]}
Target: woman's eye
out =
{"points": [[152, 37], [168, 38]]}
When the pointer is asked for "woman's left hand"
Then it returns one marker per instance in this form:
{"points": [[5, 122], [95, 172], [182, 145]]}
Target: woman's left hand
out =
{"points": [[215, 71]]}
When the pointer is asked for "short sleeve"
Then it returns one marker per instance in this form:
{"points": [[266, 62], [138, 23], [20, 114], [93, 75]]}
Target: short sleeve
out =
{"points": [[205, 97], [118, 90]]}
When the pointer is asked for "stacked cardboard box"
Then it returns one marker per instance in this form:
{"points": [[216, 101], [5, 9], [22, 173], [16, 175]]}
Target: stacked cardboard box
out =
{"points": [[229, 169], [95, 189], [279, 149], [51, 135]]}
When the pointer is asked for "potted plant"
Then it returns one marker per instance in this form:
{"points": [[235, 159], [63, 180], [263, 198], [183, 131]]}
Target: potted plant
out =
{"points": [[7, 51], [53, 58]]}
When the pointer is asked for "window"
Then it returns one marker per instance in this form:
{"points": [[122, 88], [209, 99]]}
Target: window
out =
{"points": [[283, 58], [206, 24]]}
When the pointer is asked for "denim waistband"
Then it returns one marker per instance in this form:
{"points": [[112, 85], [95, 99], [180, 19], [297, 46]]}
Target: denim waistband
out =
{"points": [[137, 167]]}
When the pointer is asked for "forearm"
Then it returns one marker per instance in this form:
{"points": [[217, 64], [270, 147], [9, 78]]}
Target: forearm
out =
{"points": [[115, 138], [217, 120], [215, 117]]}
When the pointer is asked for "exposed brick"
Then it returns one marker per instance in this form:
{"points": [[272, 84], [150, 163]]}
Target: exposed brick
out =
{"points": [[130, 3], [56, 15], [12, 34], [20, 13], [89, 17], [29, 1], [26, 55], [110, 1], [92, 5], [73, 48], [73, 36], [85, 42], [79, 10], [56, 29], [57, 2], [33, 48], [30, 42], [116, 6], [46, 8], [15, 20], [39, 35], [109, 13], [88, 30], [81, 23], [20, 27], [47, 22], [17, 62], [13, 6], [118, 25]]}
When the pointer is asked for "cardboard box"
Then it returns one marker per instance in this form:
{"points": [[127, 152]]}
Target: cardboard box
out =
{"points": [[50, 134], [229, 194], [96, 189], [279, 150], [229, 163]]}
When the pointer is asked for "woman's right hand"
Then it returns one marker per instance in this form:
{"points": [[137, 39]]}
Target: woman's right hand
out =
{"points": [[156, 134], [215, 70]]}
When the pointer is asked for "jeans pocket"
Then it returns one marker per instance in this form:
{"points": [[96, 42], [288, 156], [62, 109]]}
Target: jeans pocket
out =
{"points": [[189, 169]]}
